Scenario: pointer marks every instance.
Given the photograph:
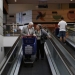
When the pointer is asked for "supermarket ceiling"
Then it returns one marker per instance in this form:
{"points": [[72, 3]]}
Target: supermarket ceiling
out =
{"points": [[38, 1]]}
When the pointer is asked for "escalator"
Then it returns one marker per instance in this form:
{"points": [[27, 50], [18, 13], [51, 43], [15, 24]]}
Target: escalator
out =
{"points": [[10, 57], [14, 66], [40, 67], [67, 51], [70, 48], [61, 61], [70, 43], [57, 61]]}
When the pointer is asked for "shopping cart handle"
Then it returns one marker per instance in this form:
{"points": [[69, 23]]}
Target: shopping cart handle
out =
{"points": [[29, 36]]}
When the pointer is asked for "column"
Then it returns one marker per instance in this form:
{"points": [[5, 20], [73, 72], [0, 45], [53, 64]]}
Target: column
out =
{"points": [[1, 32]]}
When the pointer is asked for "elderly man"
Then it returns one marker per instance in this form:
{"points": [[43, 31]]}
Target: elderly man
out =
{"points": [[28, 30]]}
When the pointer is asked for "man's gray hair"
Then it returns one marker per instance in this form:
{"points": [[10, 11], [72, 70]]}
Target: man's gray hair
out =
{"points": [[30, 23]]}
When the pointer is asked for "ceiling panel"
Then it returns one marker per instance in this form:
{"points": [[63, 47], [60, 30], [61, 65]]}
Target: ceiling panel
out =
{"points": [[38, 1]]}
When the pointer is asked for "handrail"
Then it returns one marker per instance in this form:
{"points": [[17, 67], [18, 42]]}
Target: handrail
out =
{"points": [[51, 61], [64, 51], [16, 64], [59, 53], [55, 48], [71, 42], [9, 54]]}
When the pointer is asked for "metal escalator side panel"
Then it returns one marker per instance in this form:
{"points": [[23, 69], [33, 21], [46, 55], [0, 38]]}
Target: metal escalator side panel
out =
{"points": [[51, 62], [9, 55], [70, 42], [66, 69], [16, 65], [64, 51]]}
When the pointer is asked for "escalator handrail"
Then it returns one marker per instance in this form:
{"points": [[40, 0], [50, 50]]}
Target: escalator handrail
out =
{"points": [[9, 54], [51, 61], [56, 39], [62, 46], [61, 58], [71, 42], [16, 65]]}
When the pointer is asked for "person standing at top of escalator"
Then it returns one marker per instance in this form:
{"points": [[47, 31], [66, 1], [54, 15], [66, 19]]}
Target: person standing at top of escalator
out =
{"points": [[41, 36], [62, 29]]}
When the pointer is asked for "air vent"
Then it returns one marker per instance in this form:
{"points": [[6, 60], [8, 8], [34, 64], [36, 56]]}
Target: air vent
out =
{"points": [[24, 14], [43, 6], [11, 15], [54, 12]]}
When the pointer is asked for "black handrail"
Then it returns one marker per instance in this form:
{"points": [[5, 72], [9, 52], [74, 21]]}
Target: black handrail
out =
{"points": [[10, 51], [60, 51], [64, 58]]}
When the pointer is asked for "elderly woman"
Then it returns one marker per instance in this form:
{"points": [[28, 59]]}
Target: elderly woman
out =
{"points": [[41, 35]]}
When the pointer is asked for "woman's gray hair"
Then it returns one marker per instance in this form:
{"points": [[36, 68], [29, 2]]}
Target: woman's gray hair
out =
{"points": [[40, 26]]}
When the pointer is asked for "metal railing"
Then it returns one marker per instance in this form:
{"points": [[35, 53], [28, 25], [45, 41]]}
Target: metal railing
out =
{"points": [[67, 55], [10, 56], [56, 58]]}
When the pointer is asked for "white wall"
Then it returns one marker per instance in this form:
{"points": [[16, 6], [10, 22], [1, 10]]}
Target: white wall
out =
{"points": [[8, 41]]}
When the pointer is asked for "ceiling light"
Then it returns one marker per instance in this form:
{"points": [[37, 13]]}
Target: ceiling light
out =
{"points": [[71, 0], [15, 0]]}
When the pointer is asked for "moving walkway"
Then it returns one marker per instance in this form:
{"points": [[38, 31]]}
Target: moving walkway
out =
{"points": [[57, 60]]}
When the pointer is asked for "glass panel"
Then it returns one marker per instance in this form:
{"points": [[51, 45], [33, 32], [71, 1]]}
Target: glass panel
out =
{"points": [[11, 30]]}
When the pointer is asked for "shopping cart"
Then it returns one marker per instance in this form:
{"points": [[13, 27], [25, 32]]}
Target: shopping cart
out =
{"points": [[29, 47]]}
